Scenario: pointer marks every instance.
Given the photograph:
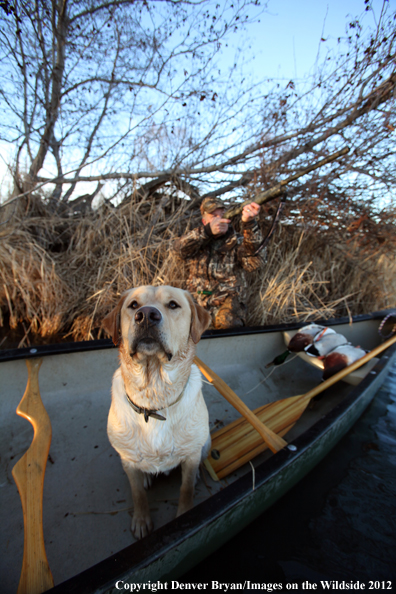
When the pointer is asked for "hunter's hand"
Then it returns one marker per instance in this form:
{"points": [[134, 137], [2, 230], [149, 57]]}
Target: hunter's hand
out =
{"points": [[250, 211], [219, 226]]}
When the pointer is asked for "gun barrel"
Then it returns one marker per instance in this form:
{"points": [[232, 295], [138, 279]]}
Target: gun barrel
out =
{"points": [[275, 191]]}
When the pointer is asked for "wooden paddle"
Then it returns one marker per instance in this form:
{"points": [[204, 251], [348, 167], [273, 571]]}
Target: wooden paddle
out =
{"points": [[28, 474], [273, 441], [237, 443]]}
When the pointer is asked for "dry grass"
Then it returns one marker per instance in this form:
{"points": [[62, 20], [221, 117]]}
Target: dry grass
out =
{"points": [[30, 288], [303, 281], [62, 273]]}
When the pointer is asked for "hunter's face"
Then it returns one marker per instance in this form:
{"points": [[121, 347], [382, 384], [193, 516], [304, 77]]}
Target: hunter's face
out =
{"points": [[208, 217]]}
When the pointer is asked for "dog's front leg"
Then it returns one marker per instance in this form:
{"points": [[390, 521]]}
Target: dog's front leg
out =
{"points": [[142, 524], [189, 475]]}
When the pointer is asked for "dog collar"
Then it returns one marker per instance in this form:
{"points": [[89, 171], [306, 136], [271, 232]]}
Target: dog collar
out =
{"points": [[148, 412]]}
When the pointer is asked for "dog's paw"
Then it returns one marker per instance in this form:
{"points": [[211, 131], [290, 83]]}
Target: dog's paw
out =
{"points": [[148, 480], [184, 506], [141, 526]]}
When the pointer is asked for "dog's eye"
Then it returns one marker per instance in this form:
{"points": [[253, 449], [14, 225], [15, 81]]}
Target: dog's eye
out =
{"points": [[173, 305], [134, 305]]}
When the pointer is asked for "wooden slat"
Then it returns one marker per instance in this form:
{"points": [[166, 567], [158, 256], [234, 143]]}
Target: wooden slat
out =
{"points": [[238, 442], [273, 441], [28, 474]]}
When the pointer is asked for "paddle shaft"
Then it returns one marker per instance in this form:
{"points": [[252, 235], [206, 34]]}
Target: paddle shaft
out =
{"points": [[273, 441]]}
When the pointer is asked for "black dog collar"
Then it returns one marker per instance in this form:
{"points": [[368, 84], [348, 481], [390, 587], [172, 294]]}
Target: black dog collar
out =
{"points": [[148, 412]]}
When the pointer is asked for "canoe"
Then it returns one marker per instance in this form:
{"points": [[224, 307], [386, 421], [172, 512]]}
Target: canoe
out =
{"points": [[87, 502]]}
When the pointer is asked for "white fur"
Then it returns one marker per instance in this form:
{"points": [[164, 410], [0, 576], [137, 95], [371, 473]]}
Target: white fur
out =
{"points": [[158, 446], [154, 374]]}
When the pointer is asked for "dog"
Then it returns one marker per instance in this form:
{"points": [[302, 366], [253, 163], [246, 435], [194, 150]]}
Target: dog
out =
{"points": [[158, 418]]}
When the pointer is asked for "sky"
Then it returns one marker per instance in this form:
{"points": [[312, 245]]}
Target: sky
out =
{"points": [[287, 39], [284, 45]]}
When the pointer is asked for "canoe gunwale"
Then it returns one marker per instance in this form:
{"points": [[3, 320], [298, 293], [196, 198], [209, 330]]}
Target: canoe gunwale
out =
{"points": [[103, 576], [107, 343]]}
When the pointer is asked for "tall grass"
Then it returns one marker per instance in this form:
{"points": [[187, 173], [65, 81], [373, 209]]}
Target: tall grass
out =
{"points": [[62, 273], [306, 281]]}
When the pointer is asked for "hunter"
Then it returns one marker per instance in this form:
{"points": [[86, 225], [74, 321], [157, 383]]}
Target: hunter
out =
{"points": [[219, 259]]}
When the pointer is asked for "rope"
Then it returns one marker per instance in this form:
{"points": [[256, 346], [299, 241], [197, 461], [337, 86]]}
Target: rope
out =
{"points": [[391, 315]]}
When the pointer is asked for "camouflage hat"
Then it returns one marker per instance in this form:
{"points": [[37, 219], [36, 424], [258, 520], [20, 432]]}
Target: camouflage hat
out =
{"points": [[211, 204]]}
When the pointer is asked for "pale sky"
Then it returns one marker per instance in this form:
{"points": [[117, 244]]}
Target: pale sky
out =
{"points": [[287, 39]]}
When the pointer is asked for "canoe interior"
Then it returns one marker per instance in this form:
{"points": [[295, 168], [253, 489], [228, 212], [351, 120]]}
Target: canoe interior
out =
{"points": [[87, 500]]}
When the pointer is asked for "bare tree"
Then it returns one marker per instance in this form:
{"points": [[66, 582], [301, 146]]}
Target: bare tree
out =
{"points": [[349, 101], [130, 93], [101, 86]]}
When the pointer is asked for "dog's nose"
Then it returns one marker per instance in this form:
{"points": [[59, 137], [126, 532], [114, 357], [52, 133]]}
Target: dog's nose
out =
{"points": [[148, 315]]}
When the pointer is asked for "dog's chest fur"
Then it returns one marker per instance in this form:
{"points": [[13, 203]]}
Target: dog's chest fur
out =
{"points": [[158, 446]]}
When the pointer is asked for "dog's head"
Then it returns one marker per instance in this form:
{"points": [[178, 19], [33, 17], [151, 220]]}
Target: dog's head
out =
{"points": [[156, 321]]}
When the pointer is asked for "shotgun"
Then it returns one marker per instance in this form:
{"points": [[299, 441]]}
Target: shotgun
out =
{"points": [[277, 190]]}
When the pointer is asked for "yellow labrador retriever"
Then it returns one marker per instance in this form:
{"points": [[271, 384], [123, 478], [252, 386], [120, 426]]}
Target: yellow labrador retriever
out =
{"points": [[158, 418]]}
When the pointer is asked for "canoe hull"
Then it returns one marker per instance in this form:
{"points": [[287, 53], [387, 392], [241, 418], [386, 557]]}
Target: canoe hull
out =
{"points": [[176, 549], [182, 543]]}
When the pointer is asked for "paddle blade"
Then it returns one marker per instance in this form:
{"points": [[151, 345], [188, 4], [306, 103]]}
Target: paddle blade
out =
{"points": [[237, 443], [28, 474]]}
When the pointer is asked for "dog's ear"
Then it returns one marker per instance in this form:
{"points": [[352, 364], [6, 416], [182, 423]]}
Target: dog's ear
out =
{"points": [[200, 319], [111, 323]]}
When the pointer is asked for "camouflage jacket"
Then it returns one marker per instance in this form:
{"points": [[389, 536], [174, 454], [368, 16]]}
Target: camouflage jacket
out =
{"points": [[218, 266]]}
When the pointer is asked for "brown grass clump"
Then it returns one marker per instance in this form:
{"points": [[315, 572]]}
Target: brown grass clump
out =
{"points": [[116, 249], [62, 273], [303, 281], [63, 270], [31, 291]]}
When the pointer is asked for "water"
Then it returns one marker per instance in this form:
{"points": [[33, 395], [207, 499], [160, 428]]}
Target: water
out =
{"points": [[339, 523]]}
